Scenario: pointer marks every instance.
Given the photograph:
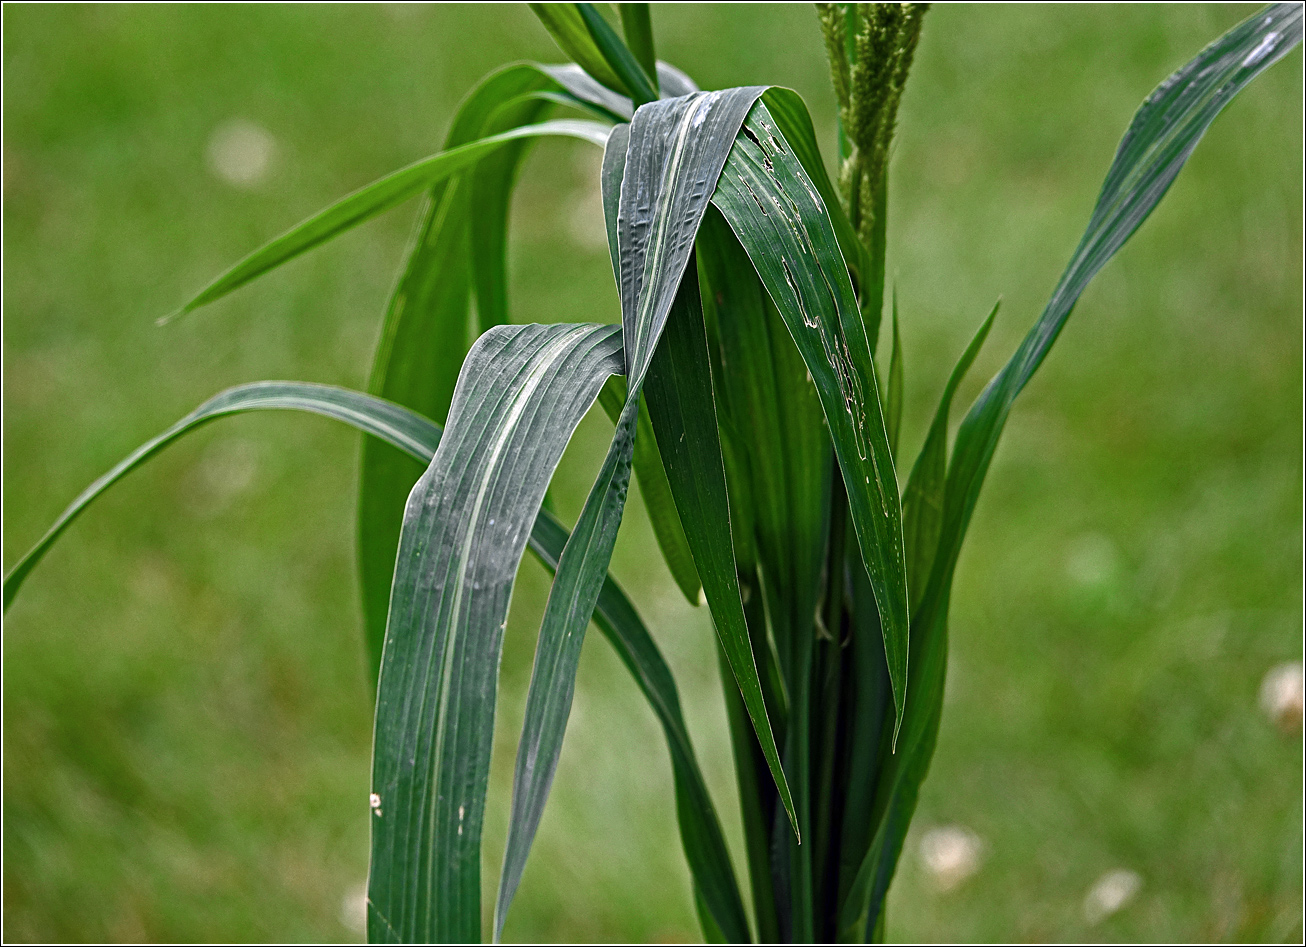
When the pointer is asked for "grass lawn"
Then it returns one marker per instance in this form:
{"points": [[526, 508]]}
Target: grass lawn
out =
{"points": [[186, 714]]}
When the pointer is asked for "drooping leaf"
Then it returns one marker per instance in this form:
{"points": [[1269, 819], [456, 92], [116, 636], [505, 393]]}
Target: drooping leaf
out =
{"points": [[379, 196], [676, 151], [780, 219], [417, 437], [782, 463], [1163, 134], [520, 395], [675, 156], [648, 463], [402, 428]]}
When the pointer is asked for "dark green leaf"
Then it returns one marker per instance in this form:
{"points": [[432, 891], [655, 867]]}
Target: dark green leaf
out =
{"points": [[520, 395], [677, 148], [638, 27], [619, 58], [780, 219]]}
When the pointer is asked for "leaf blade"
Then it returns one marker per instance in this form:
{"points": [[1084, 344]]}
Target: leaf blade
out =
{"points": [[521, 393], [377, 197], [1162, 135], [780, 219]]}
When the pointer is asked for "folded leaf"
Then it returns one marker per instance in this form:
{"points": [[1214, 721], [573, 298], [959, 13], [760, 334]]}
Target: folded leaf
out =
{"points": [[780, 219], [459, 247], [676, 151], [520, 395]]}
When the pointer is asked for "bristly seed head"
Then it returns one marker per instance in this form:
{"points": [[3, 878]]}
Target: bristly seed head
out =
{"points": [[870, 46]]}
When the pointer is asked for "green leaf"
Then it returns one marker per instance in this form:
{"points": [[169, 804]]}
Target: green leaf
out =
{"points": [[791, 116], [781, 221], [418, 437], [390, 422], [682, 407], [520, 395], [638, 27], [425, 333], [648, 462], [1163, 134], [617, 56], [779, 470], [893, 397], [675, 157], [922, 499], [677, 148], [567, 27], [656, 492], [379, 196]]}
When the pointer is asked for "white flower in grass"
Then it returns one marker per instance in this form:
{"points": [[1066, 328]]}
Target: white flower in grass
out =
{"points": [[1281, 696], [951, 854], [1110, 893], [241, 153]]}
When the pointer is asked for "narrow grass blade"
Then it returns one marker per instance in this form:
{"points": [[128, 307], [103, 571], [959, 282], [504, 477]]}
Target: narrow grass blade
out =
{"points": [[893, 397], [380, 196], [675, 157], [520, 395], [638, 27], [922, 499], [781, 221], [619, 58], [409, 432], [1163, 134]]}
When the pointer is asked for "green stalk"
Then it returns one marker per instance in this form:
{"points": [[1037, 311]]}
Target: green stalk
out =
{"points": [[755, 812], [829, 709]]}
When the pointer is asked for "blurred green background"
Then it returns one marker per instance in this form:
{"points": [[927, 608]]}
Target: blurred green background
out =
{"points": [[186, 718]]}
